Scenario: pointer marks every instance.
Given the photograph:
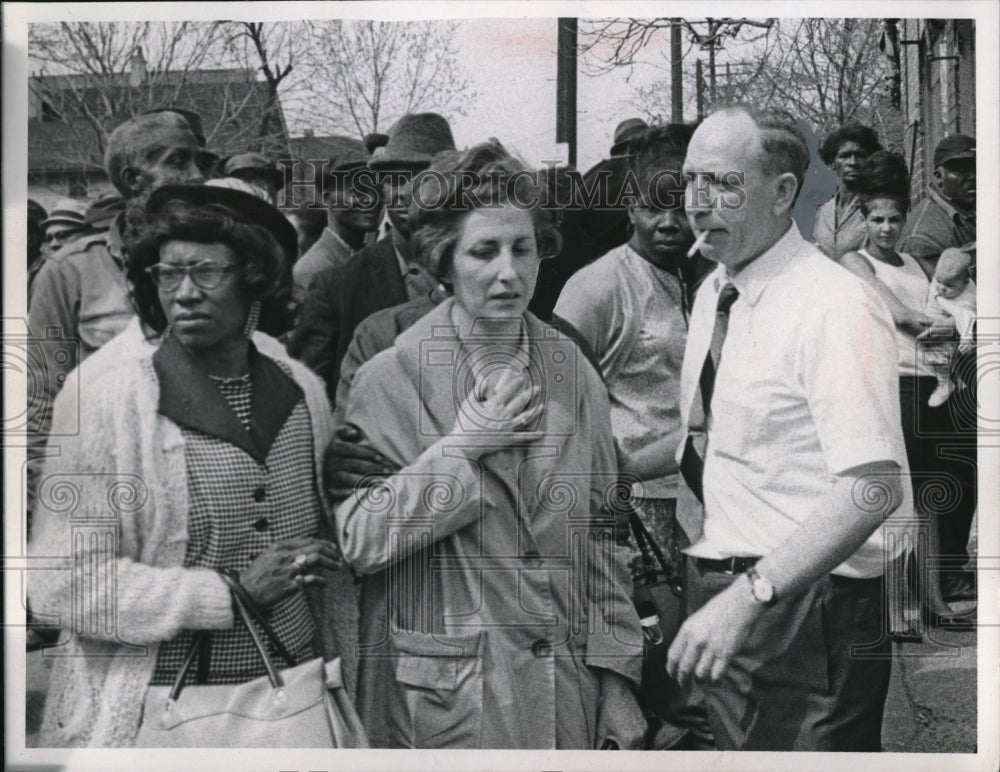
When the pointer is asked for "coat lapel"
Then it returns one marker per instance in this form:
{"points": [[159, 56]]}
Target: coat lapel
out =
{"points": [[189, 398], [386, 281], [431, 355]]}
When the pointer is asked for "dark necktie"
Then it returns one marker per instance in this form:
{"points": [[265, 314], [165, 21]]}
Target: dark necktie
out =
{"points": [[693, 458]]}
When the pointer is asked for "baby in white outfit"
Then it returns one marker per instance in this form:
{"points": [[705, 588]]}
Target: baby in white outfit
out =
{"points": [[951, 303]]}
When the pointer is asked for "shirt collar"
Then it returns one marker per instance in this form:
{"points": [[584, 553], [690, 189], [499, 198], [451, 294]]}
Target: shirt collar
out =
{"points": [[950, 209], [754, 277], [114, 239], [331, 235]]}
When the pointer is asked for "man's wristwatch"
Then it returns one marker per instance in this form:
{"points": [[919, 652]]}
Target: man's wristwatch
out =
{"points": [[762, 590]]}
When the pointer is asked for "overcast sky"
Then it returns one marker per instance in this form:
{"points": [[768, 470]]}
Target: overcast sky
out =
{"points": [[512, 63]]}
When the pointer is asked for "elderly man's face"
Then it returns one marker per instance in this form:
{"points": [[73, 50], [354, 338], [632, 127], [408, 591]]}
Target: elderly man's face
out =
{"points": [[169, 155], [728, 193]]}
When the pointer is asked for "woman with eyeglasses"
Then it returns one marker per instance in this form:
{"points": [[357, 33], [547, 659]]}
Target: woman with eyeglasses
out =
{"points": [[194, 441]]}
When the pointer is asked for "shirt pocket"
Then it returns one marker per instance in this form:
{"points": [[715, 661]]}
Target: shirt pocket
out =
{"points": [[734, 431]]}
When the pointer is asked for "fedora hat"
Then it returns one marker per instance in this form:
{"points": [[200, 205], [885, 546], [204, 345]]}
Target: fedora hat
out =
{"points": [[625, 133], [240, 199], [252, 164], [68, 211], [414, 140], [375, 140], [345, 153]]}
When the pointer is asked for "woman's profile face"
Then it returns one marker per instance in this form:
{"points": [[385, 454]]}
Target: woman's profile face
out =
{"points": [[495, 263], [208, 307], [884, 222]]}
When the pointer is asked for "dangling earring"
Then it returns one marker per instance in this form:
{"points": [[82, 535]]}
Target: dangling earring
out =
{"points": [[253, 319]]}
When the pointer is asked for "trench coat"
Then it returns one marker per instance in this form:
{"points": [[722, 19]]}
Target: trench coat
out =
{"points": [[504, 590]]}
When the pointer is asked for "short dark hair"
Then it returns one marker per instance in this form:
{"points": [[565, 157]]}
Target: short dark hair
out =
{"points": [[442, 200], [264, 270], [884, 176], [660, 145], [849, 132]]}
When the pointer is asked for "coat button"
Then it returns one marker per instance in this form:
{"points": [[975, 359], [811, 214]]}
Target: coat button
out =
{"points": [[260, 494], [532, 558], [541, 648], [261, 524]]}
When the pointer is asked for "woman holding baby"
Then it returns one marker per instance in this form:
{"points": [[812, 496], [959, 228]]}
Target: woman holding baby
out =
{"points": [[919, 308]]}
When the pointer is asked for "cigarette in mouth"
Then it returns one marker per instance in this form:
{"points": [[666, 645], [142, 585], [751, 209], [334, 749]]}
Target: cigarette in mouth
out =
{"points": [[698, 244]]}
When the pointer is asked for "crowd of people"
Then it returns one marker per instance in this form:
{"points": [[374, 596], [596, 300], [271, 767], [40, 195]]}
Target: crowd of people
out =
{"points": [[436, 431]]}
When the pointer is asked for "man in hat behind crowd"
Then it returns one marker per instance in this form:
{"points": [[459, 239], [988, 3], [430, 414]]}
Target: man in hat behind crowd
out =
{"points": [[381, 275], [62, 226], [945, 218], [947, 215], [80, 298], [257, 170], [352, 212]]}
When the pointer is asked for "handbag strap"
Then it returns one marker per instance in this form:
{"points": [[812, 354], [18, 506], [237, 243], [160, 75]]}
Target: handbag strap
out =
{"points": [[243, 597], [646, 544], [248, 613]]}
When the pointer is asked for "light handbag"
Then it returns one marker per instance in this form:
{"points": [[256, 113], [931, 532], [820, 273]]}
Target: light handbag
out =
{"points": [[304, 706]]}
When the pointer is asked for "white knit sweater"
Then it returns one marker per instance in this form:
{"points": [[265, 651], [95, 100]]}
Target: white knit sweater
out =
{"points": [[121, 469]]}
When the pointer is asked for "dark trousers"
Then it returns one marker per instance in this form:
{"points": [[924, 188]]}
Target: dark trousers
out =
{"points": [[813, 674], [941, 450]]}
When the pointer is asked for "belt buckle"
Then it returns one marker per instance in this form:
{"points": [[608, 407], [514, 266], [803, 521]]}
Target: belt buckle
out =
{"points": [[731, 568]]}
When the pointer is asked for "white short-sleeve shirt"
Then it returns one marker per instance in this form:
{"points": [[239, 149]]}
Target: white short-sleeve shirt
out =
{"points": [[807, 387]]}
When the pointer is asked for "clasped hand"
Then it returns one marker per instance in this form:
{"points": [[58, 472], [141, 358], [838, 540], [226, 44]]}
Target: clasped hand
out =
{"points": [[286, 566]]}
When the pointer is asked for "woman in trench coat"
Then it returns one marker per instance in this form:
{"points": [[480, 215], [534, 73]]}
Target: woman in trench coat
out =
{"points": [[506, 597]]}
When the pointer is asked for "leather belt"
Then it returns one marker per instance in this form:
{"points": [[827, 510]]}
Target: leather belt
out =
{"points": [[726, 565]]}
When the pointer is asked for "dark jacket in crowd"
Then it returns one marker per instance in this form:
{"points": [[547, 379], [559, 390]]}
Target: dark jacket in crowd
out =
{"points": [[337, 301]]}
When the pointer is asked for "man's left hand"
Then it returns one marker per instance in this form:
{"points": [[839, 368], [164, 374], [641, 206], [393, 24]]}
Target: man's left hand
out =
{"points": [[709, 638]]}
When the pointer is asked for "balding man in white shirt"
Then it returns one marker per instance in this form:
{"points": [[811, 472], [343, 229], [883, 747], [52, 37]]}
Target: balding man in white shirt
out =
{"points": [[789, 397]]}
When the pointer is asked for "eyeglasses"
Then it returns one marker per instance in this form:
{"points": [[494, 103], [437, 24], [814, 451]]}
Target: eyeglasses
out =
{"points": [[60, 237], [207, 275]]}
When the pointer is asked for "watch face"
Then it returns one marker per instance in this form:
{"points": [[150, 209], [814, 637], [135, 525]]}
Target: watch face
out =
{"points": [[763, 590]]}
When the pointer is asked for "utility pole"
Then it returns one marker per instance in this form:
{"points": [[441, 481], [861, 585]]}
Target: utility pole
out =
{"points": [[676, 73], [711, 59], [699, 88], [566, 86]]}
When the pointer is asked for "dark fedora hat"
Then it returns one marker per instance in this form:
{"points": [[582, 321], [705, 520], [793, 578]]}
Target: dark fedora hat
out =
{"points": [[375, 140], [250, 163], [625, 133], [238, 198], [344, 153], [414, 140]]}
